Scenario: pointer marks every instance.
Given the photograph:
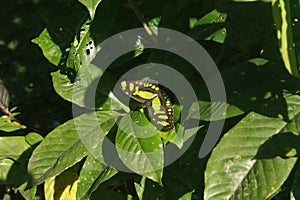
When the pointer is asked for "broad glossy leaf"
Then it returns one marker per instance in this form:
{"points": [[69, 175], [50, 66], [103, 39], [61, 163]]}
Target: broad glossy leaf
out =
{"points": [[50, 49], [80, 91], [5, 165], [91, 5], [14, 154], [139, 146], [68, 144], [236, 169], [248, 91], [63, 186], [12, 147], [92, 174], [213, 111]]}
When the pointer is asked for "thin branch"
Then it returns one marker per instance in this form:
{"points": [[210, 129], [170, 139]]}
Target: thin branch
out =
{"points": [[142, 19]]}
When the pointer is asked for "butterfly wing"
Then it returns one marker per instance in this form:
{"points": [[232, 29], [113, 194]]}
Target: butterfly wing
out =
{"points": [[151, 96]]}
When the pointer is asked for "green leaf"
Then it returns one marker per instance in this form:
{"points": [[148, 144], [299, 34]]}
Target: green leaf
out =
{"points": [[12, 147], [154, 24], [91, 5], [33, 138], [5, 165], [7, 125], [70, 141], [61, 149], [80, 91], [284, 14], [147, 189], [187, 196], [83, 50], [92, 174], [296, 183], [209, 27], [235, 166], [140, 187], [250, 90], [139, 146], [213, 111], [50, 50], [63, 186], [179, 135], [14, 155], [28, 194]]}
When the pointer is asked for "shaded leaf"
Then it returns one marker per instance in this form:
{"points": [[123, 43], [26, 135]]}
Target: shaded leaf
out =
{"points": [[4, 98], [147, 189], [209, 27], [92, 174], [28, 194], [14, 154], [296, 184]]}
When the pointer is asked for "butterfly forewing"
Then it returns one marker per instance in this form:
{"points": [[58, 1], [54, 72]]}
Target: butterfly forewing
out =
{"points": [[140, 91]]}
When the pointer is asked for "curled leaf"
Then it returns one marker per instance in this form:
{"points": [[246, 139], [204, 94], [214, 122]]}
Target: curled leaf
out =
{"points": [[4, 98]]}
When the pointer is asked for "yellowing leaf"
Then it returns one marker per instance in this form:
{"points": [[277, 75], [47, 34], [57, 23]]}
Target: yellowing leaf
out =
{"points": [[62, 187]]}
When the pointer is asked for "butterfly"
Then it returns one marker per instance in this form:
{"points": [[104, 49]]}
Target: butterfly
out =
{"points": [[159, 105]]}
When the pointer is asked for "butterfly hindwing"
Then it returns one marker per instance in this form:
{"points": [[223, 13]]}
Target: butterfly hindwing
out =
{"points": [[159, 106], [161, 112]]}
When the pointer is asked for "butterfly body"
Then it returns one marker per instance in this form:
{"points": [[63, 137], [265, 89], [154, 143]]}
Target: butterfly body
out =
{"points": [[151, 96]]}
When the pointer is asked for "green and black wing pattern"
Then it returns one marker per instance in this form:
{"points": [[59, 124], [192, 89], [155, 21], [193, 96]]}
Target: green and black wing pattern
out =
{"points": [[159, 105]]}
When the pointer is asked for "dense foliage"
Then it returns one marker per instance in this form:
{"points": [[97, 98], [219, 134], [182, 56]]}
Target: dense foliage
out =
{"points": [[49, 151]]}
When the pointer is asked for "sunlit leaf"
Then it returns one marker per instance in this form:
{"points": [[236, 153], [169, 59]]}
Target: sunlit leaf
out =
{"points": [[50, 49], [236, 170], [91, 5], [139, 146], [7, 125], [63, 186], [68, 144]]}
